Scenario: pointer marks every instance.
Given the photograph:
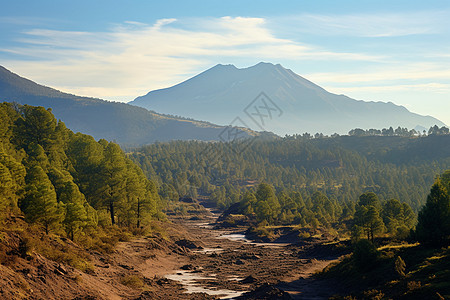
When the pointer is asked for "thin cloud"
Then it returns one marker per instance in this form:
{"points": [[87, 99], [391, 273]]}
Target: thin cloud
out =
{"points": [[409, 72], [371, 25], [426, 87], [140, 57]]}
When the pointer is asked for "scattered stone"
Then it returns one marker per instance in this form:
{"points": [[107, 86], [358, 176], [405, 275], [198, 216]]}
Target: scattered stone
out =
{"points": [[188, 267], [187, 244], [197, 271], [267, 292], [186, 199], [250, 256], [248, 279], [62, 269], [126, 267], [162, 281]]}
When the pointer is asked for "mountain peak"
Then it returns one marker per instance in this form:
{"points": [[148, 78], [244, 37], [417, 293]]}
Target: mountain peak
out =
{"points": [[225, 93], [224, 66]]}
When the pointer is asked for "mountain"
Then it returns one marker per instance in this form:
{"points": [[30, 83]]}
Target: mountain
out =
{"points": [[126, 124], [270, 97]]}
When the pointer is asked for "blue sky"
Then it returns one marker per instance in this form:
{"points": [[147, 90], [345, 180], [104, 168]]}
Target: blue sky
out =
{"points": [[395, 51]]}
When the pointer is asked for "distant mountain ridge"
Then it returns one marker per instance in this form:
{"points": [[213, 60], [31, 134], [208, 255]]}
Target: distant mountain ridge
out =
{"points": [[224, 92], [120, 122]]}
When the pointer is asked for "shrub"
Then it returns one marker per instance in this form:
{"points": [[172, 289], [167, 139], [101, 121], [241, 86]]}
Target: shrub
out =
{"points": [[365, 254], [400, 266], [132, 281], [26, 246]]}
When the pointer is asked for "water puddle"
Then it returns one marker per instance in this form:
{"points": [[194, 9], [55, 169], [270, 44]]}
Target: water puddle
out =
{"points": [[208, 250], [189, 282], [240, 237], [206, 225], [234, 278]]}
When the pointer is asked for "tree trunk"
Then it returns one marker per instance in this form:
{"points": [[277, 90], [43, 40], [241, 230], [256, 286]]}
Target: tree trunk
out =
{"points": [[111, 211], [138, 214]]}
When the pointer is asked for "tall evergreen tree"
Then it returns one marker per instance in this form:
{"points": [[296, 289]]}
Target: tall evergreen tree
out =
{"points": [[434, 219], [40, 204], [367, 215]]}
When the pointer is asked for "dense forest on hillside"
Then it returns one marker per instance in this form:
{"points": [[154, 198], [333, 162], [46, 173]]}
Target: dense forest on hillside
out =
{"points": [[67, 183], [342, 168]]}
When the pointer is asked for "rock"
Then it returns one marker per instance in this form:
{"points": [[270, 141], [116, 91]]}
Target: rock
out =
{"points": [[267, 292], [162, 281], [197, 271], [126, 267], [187, 244], [250, 256], [62, 269], [186, 199], [58, 272], [188, 267], [248, 279]]}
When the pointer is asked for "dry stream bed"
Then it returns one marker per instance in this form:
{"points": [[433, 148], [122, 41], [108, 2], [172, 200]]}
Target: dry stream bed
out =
{"points": [[224, 264]]}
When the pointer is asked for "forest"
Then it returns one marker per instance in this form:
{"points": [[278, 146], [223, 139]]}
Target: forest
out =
{"points": [[68, 183], [341, 168]]}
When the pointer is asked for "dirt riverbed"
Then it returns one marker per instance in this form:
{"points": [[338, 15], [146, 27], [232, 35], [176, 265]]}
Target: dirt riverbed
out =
{"points": [[221, 263], [192, 260]]}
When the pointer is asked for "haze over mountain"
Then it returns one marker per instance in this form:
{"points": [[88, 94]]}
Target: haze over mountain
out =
{"points": [[120, 122], [289, 103]]}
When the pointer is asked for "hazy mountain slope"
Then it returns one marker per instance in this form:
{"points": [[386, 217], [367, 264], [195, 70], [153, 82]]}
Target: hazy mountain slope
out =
{"points": [[124, 123], [224, 92]]}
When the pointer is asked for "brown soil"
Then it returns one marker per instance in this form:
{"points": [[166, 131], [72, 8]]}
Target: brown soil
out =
{"points": [[137, 269]]}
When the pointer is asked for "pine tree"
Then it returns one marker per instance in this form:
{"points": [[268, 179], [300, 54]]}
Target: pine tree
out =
{"points": [[36, 125], [75, 211], [267, 207], [40, 204], [433, 221], [367, 215], [113, 170]]}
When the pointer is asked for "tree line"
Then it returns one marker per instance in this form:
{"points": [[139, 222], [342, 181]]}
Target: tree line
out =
{"points": [[342, 168], [368, 216], [399, 131]]}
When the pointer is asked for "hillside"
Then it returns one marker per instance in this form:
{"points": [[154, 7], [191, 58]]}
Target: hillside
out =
{"points": [[295, 105], [120, 122]]}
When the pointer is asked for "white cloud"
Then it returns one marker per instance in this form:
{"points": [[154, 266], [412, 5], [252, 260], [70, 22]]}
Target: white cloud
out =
{"points": [[133, 58]]}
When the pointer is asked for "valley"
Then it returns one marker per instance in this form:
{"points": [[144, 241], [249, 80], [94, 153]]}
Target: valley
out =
{"points": [[246, 150], [227, 265], [194, 260]]}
